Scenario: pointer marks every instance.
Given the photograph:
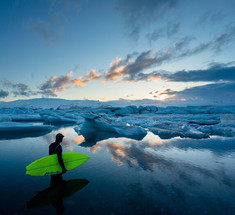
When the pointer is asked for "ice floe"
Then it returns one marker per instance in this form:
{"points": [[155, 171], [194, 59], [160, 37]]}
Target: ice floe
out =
{"points": [[54, 118], [95, 122], [24, 127], [15, 130], [126, 121], [25, 117]]}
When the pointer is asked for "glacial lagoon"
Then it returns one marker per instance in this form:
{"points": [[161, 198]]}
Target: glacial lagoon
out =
{"points": [[123, 175]]}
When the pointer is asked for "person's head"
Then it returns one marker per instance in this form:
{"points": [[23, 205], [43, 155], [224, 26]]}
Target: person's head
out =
{"points": [[59, 138]]}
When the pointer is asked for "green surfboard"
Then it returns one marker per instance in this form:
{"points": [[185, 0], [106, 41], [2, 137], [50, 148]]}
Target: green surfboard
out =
{"points": [[49, 165]]}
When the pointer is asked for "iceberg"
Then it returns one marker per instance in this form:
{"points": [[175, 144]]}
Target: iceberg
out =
{"points": [[26, 117], [15, 130], [24, 127], [54, 118], [95, 122]]}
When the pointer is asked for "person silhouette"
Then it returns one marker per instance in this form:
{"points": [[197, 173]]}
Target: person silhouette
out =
{"points": [[55, 148]]}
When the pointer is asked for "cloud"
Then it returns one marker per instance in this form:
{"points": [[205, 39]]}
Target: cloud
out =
{"points": [[92, 75], [55, 84], [43, 28], [22, 90], [52, 25], [170, 30], [210, 17], [223, 39], [3, 94], [138, 14], [50, 87], [130, 69], [18, 89], [78, 82], [217, 72], [217, 92]]}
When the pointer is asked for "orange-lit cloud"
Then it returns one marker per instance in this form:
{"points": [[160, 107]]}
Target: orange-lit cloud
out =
{"points": [[92, 75], [78, 139], [55, 84], [78, 82]]}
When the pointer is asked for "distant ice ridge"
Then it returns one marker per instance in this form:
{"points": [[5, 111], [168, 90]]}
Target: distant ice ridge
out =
{"points": [[131, 120]]}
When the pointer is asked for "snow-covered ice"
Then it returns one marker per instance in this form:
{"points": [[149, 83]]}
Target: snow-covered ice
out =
{"points": [[54, 118], [128, 121], [95, 122]]}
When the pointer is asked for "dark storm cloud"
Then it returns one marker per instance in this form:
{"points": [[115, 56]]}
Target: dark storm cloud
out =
{"points": [[3, 94], [217, 72], [137, 14], [210, 92]]}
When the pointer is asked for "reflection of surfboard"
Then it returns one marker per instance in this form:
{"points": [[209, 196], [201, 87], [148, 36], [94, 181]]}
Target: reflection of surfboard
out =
{"points": [[49, 165], [50, 195]]}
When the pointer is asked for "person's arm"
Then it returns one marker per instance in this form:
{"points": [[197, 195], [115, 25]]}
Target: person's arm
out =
{"points": [[61, 162]]}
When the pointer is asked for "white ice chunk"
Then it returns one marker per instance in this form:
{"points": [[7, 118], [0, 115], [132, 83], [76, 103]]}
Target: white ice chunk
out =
{"points": [[169, 130], [204, 119], [219, 130], [126, 110], [51, 117], [95, 122]]}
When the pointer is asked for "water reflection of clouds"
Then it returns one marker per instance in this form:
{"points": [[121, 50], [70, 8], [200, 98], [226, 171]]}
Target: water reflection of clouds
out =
{"points": [[70, 136], [173, 158], [156, 155]]}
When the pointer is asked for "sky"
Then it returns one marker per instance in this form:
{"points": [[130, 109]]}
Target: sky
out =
{"points": [[168, 50]]}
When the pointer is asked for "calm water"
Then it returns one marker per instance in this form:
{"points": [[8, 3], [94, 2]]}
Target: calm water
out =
{"points": [[123, 176]]}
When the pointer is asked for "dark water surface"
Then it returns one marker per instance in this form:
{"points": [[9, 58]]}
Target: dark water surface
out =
{"points": [[123, 176]]}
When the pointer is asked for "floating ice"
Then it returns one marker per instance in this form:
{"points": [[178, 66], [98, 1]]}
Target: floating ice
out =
{"points": [[171, 121], [54, 118], [95, 122], [4, 118], [24, 127], [26, 117], [16, 130]]}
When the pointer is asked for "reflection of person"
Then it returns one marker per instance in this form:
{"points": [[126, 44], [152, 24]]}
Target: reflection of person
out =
{"points": [[60, 187], [55, 194], [55, 148]]}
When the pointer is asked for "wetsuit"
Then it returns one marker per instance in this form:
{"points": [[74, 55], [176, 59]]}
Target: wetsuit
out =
{"points": [[56, 148]]}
